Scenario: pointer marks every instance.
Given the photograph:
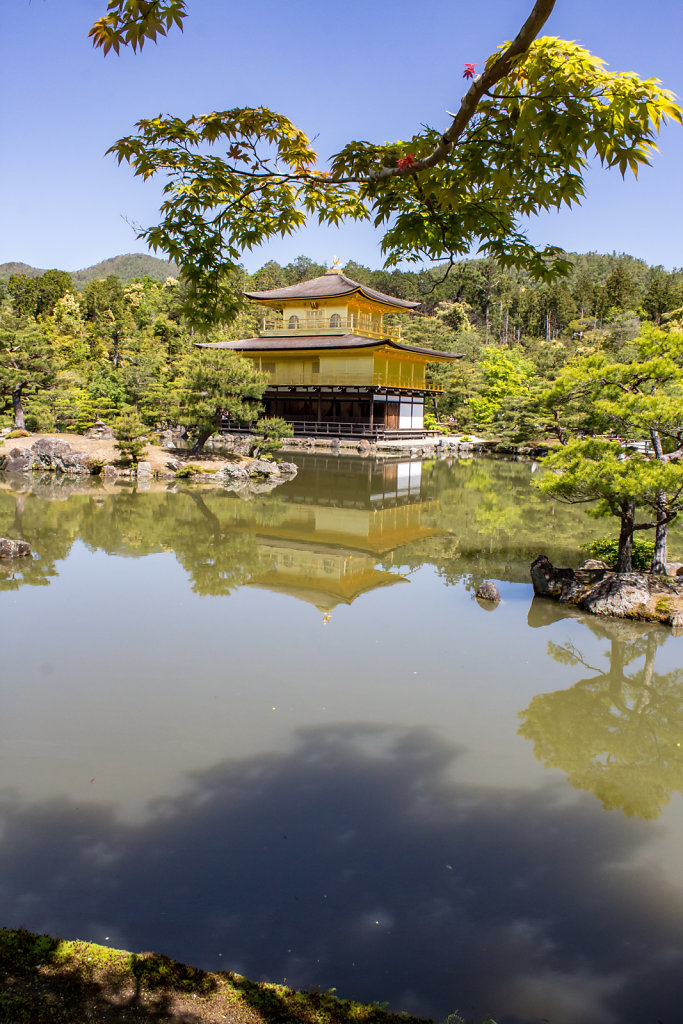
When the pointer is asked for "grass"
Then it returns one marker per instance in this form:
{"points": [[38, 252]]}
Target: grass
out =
{"points": [[52, 981]]}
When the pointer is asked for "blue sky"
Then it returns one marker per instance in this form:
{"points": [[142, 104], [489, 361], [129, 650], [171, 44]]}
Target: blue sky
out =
{"points": [[345, 70]]}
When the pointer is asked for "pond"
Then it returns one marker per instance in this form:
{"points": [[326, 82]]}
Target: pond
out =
{"points": [[281, 736]]}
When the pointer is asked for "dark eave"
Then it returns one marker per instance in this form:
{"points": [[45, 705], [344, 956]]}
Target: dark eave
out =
{"points": [[329, 286], [330, 341]]}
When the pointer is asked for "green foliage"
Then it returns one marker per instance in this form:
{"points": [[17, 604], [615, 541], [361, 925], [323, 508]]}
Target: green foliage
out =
{"points": [[131, 22], [214, 383], [598, 470], [504, 373], [25, 364], [130, 434], [249, 199], [608, 551], [191, 470], [270, 431], [519, 145], [17, 433]]}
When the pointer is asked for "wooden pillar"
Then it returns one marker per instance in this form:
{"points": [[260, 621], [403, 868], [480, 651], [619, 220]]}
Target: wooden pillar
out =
{"points": [[319, 406]]}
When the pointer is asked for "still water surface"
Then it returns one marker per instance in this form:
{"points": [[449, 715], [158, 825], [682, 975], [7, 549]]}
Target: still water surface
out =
{"points": [[281, 736]]}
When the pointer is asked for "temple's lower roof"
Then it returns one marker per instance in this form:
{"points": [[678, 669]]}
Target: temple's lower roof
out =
{"points": [[330, 341]]}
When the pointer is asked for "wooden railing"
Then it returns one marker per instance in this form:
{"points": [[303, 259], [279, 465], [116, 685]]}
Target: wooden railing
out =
{"points": [[332, 428], [355, 323]]}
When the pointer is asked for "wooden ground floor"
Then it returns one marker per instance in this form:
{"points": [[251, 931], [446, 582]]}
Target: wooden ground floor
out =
{"points": [[350, 412]]}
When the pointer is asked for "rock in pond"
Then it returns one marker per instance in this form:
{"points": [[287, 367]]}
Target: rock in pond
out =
{"points": [[14, 548], [232, 472], [629, 595], [488, 591]]}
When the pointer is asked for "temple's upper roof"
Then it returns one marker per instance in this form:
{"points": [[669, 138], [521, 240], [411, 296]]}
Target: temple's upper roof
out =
{"points": [[284, 343], [329, 286]]}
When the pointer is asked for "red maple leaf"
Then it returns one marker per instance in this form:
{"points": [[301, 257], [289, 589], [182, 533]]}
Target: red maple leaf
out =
{"points": [[405, 161], [469, 71]]}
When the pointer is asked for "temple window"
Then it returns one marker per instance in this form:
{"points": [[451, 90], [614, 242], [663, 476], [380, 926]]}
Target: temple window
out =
{"points": [[293, 323], [335, 320]]}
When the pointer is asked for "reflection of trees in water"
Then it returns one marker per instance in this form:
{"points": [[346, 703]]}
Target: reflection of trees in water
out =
{"points": [[359, 859], [618, 732], [213, 535], [497, 523], [49, 526], [491, 521]]}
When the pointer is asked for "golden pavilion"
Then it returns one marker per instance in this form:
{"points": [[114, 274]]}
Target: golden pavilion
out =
{"points": [[336, 367]]}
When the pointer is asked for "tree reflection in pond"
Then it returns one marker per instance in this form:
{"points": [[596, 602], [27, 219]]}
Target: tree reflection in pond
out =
{"points": [[618, 732]]}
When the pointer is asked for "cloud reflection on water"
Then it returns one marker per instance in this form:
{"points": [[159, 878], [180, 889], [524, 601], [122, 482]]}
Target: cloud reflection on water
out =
{"points": [[355, 861]]}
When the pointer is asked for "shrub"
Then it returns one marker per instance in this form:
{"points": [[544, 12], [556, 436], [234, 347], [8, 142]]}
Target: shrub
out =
{"points": [[130, 431], [608, 550], [271, 429], [192, 470], [17, 433]]}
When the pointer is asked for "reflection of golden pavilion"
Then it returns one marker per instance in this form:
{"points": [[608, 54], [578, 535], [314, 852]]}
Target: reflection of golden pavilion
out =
{"points": [[327, 552], [323, 576]]}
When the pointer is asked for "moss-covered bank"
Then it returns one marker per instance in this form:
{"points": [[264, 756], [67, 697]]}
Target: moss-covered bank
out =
{"points": [[51, 981]]}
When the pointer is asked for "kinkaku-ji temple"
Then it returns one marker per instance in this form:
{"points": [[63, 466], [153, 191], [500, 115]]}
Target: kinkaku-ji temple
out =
{"points": [[336, 368]]}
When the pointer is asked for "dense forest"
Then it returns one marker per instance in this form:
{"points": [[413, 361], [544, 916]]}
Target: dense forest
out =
{"points": [[592, 364], [109, 345]]}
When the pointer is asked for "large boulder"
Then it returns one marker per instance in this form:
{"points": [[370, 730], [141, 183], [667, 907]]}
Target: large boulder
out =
{"points": [[630, 595], [232, 472], [18, 460], [14, 548], [262, 467], [58, 456]]}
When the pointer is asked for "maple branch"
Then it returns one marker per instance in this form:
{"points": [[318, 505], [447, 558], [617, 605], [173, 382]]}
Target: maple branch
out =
{"points": [[482, 83]]}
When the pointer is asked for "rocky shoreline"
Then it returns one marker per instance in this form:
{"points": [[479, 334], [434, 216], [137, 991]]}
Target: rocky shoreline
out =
{"points": [[98, 457], [599, 590], [460, 445]]}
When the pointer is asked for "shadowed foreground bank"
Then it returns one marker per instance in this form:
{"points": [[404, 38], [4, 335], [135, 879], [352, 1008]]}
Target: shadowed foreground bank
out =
{"points": [[50, 980]]}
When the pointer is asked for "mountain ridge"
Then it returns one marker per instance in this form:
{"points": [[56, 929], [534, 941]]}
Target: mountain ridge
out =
{"points": [[126, 267]]}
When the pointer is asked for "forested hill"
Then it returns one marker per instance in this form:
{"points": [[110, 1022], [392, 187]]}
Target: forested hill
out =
{"points": [[128, 267], [507, 305]]}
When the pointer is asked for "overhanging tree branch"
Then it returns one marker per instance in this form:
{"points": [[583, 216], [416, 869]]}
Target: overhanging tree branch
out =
{"points": [[480, 86]]}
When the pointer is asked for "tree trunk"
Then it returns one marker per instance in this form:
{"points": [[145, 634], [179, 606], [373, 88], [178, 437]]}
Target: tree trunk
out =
{"points": [[660, 553], [559, 430], [198, 447], [659, 557], [624, 558], [19, 423]]}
